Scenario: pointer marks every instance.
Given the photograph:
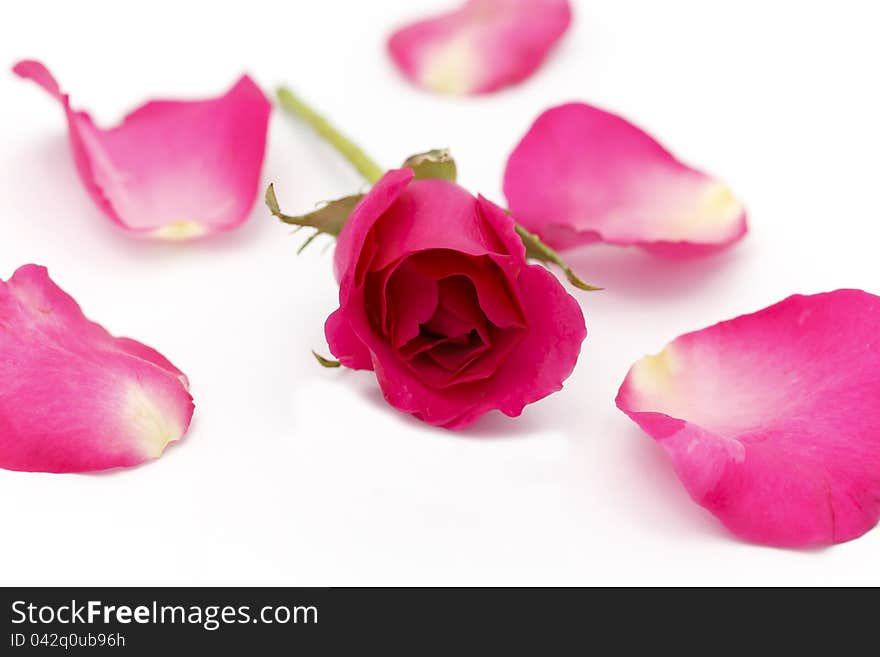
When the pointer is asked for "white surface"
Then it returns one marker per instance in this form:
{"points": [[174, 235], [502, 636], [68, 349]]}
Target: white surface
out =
{"points": [[296, 475]]}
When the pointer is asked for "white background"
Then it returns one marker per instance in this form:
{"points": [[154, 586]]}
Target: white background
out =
{"points": [[296, 475]]}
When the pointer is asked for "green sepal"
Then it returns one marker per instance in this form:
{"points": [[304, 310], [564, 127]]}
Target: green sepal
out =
{"points": [[324, 361], [328, 219], [537, 250], [433, 164]]}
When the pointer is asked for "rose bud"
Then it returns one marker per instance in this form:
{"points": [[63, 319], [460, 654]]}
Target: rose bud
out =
{"points": [[435, 293], [437, 298]]}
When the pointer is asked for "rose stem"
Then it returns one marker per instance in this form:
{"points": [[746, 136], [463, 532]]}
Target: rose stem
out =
{"points": [[348, 149]]}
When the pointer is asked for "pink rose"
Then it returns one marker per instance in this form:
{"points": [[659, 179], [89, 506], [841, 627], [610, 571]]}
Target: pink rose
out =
{"points": [[437, 298]]}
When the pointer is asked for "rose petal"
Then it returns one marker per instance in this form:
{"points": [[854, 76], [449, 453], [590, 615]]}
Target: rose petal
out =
{"points": [[172, 169], [412, 300], [351, 241], [345, 344], [410, 216], [453, 354], [583, 175], [72, 397], [771, 418], [486, 363], [481, 47], [459, 311], [547, 353], [534, 368], [505, 229], [500, 304], [475, 348], [447, 319], [458, 317], [410, 224]]}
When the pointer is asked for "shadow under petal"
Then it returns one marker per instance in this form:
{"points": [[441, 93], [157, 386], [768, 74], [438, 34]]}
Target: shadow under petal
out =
{"points": [[657, 496], [635, 272], [491, 426]]}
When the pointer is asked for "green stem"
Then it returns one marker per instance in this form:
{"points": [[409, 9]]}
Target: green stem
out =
{"points": [[348, 149], [537, 250]]}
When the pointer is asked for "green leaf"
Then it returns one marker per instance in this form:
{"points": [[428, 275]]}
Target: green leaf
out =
{"points": [[328, 219], [326, 362], [537, 250], [433, 164]]}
